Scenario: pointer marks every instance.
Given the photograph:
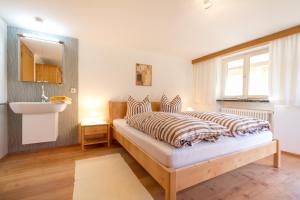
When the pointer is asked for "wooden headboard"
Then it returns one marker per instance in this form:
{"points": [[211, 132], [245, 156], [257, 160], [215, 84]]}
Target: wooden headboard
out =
{"points": [[117, 109]]}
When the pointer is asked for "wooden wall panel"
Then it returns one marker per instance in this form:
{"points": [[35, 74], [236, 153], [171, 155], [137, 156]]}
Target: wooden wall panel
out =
{"points": [[23, 91]]}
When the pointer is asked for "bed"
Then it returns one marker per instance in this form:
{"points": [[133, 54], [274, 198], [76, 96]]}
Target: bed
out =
{"points": [[163, 162]]}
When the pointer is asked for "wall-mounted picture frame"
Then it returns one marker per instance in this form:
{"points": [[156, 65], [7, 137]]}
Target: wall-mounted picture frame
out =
{"points": [[143, 75]]}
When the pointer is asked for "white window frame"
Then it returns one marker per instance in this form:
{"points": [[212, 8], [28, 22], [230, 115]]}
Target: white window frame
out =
{"points": [[246, 73]]}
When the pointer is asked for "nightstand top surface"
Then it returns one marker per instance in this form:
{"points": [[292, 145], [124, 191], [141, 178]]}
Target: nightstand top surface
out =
{"points": [[93, 123]]}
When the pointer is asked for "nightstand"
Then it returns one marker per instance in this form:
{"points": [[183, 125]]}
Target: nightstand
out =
{"points": [[94, 134]]}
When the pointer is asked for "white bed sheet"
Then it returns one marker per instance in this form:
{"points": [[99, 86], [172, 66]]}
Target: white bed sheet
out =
{"points": [[173, 157]]}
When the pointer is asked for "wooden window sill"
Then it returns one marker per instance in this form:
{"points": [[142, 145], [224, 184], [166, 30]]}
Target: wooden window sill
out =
{"points": [[245, 100]]}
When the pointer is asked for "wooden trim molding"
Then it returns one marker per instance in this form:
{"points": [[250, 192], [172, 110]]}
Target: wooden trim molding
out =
{"points": [[255, 42], [291, 154]]}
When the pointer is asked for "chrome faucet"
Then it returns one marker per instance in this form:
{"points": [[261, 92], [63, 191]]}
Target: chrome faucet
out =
{"points": [[44, 97]]}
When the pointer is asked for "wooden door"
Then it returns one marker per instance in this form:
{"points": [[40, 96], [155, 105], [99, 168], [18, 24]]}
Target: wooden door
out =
{"points": [[39, 72], [27, 64], [50, 74]]}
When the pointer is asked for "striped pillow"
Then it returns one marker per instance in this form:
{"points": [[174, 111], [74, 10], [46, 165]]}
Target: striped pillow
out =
{"points": [[134, 107], [173, 107]]}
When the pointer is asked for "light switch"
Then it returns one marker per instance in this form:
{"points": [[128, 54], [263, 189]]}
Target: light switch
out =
{"points": [[73, 90]]}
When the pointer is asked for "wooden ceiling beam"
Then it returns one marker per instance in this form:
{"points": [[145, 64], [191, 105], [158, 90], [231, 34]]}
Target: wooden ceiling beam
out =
{"points": [[255, 42]]}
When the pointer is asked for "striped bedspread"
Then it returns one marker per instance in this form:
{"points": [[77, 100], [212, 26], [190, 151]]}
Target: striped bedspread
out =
{"points": [[237, 125], [175, 129]]}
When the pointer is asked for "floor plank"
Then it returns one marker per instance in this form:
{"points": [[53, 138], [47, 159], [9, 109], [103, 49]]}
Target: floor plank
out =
{"points": [[49, 174]]}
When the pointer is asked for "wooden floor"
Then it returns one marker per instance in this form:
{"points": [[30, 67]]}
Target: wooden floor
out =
{"points": [[49, 174]]}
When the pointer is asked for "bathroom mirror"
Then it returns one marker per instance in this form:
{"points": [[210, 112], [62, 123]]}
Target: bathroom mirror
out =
{"points": [[40, 59]]}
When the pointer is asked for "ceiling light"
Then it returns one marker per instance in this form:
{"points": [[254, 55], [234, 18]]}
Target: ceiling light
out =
{"points": [[38, 20], [50, 26], [207, 4]]}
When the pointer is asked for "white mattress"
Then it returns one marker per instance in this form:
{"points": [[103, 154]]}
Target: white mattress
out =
{"points": [[179, 157]]}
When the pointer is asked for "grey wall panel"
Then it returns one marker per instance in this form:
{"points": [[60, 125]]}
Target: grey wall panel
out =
{"points": [[22, 91], [3, 130]]}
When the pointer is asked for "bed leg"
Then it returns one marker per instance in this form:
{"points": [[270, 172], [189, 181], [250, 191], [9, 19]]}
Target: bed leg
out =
{"points": [[170, 192], [277, 156]]}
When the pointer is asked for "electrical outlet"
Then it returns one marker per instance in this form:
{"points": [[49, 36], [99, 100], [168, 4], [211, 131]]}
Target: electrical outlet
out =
{"points": [[73, 90]]}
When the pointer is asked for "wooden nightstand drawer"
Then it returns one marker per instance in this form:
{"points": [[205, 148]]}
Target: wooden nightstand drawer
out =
{"points": [[95, 129], [94, 134]]}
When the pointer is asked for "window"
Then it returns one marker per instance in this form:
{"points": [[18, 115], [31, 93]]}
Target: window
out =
{"points": [[259, 75], [234, 79], [246, 76]]}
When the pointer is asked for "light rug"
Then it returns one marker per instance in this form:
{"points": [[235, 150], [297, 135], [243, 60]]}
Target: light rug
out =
{"points": [[107, 178]]}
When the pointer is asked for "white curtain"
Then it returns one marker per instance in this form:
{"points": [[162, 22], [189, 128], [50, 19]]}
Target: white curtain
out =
{"points": [[206, 78], [285, 71]]}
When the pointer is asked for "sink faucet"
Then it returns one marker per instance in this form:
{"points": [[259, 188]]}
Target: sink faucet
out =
{"points": [[44, 97]]}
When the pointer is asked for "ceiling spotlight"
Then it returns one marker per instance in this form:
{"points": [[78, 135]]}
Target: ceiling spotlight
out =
{"points": [[38, 20], [207, 4]]}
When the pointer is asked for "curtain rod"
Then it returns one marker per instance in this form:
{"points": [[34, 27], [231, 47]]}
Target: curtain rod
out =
{"points": [[251, 43]]}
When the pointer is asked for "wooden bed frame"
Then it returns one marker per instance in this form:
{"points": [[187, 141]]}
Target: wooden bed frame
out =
{"points": [[174, 180]]}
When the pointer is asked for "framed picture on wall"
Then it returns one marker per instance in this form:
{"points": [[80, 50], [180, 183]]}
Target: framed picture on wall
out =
{"points": [[143, 75]]}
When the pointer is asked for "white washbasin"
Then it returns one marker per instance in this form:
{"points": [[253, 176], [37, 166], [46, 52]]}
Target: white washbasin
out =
{"points": [[37, 107]]}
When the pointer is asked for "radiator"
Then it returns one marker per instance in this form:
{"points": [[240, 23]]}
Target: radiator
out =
{"points": [[260, 114]]}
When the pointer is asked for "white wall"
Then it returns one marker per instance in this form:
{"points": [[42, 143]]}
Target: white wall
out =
{"points": [[286, 128], [3, 68], [109, 74], [3, 89]]}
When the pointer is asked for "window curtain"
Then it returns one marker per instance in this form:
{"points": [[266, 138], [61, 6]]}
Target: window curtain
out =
{"points": [[206, 79], [285, 71]]}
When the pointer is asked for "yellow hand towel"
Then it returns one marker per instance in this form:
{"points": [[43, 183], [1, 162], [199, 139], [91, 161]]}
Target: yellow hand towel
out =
{"points": [[61, 99]]}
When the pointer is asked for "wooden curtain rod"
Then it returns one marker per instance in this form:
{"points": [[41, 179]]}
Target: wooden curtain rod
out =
{"points": [[267, 38]]}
